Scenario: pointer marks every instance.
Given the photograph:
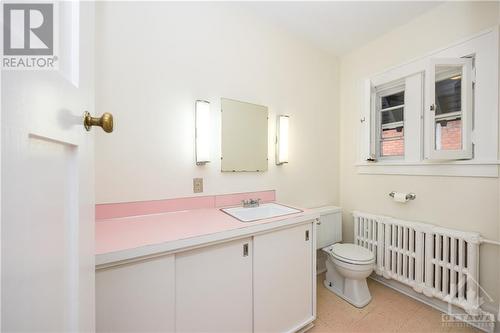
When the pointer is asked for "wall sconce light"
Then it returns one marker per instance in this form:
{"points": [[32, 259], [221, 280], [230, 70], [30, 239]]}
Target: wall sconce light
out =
{"points": [[202, 132], [282, 126]]}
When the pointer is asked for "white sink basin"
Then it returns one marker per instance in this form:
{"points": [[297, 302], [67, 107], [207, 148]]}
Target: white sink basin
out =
{"points": [[264, 211]]}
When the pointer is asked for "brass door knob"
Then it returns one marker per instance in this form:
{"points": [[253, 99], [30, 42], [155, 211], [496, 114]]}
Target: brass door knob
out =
{"points": [[105, 121]]}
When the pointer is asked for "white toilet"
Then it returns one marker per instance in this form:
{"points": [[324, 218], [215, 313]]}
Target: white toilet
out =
{"points": [[347, 265]]}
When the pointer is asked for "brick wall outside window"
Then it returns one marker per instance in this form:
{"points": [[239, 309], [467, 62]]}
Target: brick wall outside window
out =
{"points": [[451, 135], [393, 147], [451, 139]]}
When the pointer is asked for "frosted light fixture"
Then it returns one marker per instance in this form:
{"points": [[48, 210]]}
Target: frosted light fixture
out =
{"points": [[202, 132], [282, 127]]}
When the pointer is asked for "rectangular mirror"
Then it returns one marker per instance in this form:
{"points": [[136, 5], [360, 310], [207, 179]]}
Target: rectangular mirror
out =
{"points": [[244, 136]]}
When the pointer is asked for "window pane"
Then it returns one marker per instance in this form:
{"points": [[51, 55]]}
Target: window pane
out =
{"points": [[391, 122], [392, 142], [393, 100], [448, 120], [392, 116], [448, 89], [392, 133], [449, 134]]}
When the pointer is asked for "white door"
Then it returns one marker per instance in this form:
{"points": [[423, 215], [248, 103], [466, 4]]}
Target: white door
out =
{"points": [[214, 288], [283, 279], [48, 187]]}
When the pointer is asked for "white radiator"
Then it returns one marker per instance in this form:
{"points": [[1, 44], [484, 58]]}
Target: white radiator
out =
{"points": [[438, 262]]}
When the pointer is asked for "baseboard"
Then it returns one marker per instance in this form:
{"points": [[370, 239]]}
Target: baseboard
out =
{"points": [[305, 326], [436, 303]]}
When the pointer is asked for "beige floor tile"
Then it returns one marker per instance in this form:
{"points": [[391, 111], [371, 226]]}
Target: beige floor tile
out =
{"points": [[319, 327], [389, 311], [377, 321]]}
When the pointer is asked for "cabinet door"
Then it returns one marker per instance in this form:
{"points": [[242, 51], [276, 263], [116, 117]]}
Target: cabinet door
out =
{"points": [[136, 297], [283, 279], [214, 288]]}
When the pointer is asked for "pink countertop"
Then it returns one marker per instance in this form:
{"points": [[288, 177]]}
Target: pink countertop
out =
{"points": [[126, 233]]}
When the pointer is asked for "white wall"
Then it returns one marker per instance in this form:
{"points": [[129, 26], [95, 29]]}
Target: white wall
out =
{"points": [[155, 59], [457, 202]]}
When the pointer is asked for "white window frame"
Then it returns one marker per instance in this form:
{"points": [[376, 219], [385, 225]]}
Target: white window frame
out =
{"points": [[484, 114], [467, 105], [412, 119]]}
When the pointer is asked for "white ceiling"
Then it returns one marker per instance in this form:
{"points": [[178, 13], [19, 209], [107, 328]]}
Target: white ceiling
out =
{"points": [[339, 27]]}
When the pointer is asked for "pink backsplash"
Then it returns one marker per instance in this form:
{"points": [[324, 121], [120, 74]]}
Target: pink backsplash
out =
{"points": [[124, 209], [235, 199]]}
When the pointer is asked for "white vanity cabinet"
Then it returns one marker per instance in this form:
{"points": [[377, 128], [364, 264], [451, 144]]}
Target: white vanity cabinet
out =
{"points": [[214, 288], [136, 297], [262, 281], [283, 279]]}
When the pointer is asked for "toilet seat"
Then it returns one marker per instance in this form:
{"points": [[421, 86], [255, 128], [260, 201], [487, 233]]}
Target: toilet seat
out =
{"points": [[351, 253]]}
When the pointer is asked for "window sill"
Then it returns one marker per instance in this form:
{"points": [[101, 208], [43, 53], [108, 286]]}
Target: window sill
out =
{"points": [[431, 168]]}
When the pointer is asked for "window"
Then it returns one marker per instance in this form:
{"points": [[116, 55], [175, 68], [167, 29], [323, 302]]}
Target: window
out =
{"points": [[450, 116], [436, 115], [390, 124]]}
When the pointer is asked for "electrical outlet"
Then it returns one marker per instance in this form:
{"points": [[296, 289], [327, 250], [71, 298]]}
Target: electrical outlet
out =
{"points": [[197, 185]]}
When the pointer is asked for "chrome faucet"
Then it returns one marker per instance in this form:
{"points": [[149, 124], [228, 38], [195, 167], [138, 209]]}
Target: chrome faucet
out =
{"points": [[250, 203]]}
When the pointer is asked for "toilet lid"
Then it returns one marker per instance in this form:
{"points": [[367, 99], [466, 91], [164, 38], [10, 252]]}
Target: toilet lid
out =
{"points": [[351, 253]]}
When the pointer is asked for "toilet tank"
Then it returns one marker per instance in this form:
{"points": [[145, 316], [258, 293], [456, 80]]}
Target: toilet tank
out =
{"points": [[329, 228]]}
